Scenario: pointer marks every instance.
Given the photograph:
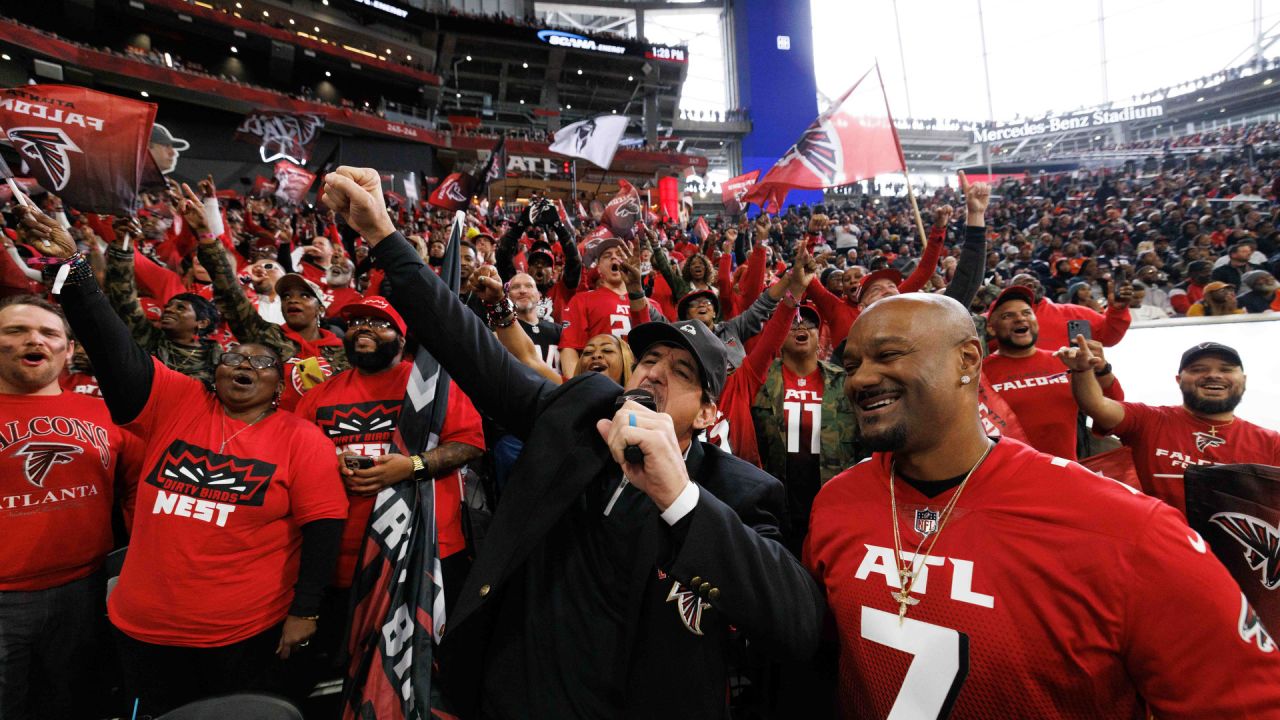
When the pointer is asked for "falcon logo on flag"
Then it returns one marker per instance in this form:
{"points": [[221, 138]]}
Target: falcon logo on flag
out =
{"points": [[819, 151], [42, 456], [1261, 543], [1251, 630], [49, 147], [1206, 440], [689, 605]]}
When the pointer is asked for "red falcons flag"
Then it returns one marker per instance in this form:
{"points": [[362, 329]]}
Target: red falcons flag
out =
{"points": [[701, 230], [623, 210], [734, 189], [853, 140], [454, 193], [293, 182], [997, 417], [87, 147]]}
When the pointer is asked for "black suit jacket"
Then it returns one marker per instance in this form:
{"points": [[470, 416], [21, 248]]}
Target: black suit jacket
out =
{"points": [[727, 550]]}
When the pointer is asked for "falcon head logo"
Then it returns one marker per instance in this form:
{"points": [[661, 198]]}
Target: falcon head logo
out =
{"points": [[1206, 440], [193, 470], [40, 457], [47, 147], [819, 150], [582, 135], [452, 190], [1250, 627], [353, 422], [1261, 543], [689, 605]]}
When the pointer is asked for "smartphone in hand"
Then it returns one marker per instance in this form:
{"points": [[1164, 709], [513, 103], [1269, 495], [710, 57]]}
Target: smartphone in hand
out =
{"points": [[1078, 327], [357, 462]]}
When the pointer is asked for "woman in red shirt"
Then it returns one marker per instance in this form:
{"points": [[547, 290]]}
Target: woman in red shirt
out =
{"points": [[239, 510]]}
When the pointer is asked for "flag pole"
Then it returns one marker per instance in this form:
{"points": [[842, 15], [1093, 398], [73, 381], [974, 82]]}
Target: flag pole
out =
{"points": [[911, 195], [573, 180]]}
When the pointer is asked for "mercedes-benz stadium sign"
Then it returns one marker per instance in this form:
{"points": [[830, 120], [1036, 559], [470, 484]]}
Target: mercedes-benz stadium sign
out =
{"points": [[578, 42], [1069, 122]]}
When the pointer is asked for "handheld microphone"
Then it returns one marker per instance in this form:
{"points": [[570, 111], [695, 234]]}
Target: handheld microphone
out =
{"points": [[632, 453]]}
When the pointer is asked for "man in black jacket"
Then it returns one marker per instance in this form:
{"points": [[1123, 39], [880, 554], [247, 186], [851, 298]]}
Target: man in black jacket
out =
{"points": [[605, 588]]}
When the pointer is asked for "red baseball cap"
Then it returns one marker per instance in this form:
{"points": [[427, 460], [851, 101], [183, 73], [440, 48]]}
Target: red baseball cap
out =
{"points": [[881, 274], [1013, 292], [374, 306]]}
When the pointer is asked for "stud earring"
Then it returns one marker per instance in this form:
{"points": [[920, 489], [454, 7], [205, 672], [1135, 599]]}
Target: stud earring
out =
{"points": [[965, 379]]}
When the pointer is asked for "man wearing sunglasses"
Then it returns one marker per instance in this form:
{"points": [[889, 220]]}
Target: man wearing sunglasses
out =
{"points": [[264, 274], [804, 422], [358, 410]]}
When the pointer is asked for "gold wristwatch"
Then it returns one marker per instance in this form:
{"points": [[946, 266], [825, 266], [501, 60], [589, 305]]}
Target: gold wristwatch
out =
{"points": [[419, 467]]}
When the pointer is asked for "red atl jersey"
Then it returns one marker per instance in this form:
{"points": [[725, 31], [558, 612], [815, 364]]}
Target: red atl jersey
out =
{"points": [[216, 534], [1051, 592], [358, 413], [80, 382], [599, 312], [1167, 440], [802, 403], [58, 456]]}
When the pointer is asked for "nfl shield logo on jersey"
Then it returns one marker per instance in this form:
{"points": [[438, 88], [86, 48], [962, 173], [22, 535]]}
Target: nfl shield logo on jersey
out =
{"points": [[926, 521]]}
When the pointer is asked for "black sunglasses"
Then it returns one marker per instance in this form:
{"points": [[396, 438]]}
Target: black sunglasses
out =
{"points": [[258, 362]]}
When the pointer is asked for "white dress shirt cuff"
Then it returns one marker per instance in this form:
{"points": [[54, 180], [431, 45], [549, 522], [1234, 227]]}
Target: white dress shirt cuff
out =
{"points": [[684, 504]]}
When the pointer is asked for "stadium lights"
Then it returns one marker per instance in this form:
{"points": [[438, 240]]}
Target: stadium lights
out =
{"points": [[5, 57], [521, 101], [566, 107], [145, 94], [615, 112], [1222, 110], [579, 71], [266, 14], [234, 50], [408, 57], [317, 28], [630, 78], [524, 65], [239, 6], [291, 21], [324, 2], [1266, 82], [468, 58], [328, 74], [459, 95], [1200, 99]]}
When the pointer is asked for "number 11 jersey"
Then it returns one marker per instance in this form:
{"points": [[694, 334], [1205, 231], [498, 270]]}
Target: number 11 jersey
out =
{"points": [[1051, 592]]}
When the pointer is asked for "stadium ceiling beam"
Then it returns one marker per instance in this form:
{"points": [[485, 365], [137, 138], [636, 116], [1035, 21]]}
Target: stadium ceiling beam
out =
{"points": [[626, 7]]}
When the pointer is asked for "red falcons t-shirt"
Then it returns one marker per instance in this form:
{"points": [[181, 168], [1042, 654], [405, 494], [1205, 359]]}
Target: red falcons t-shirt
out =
{"points": [[58, 456], [216, 532], [599, 312], [1038, 389], [1167, 440], [358, 413], [1051, 592]]}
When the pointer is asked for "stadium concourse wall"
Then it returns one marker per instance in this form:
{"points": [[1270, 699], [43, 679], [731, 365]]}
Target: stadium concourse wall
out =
{"points": [[773, 52], [1146, 360]]}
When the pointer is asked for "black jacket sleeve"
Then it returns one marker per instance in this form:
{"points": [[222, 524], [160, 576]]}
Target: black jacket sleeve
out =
{"points": [[964, 287], [505, 255], [321, 540], [123, 369], [500, 386], [572, 274]]}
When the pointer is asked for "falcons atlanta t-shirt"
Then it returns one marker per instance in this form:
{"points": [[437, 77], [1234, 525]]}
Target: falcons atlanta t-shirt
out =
{"points": [[1167, 440], [1038, 389], [58, 456], [358, 413], [1051, 592], [599, 312], [216, 531]]}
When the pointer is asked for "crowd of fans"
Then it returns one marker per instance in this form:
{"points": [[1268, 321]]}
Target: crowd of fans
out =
{"points": [[227, 311]]}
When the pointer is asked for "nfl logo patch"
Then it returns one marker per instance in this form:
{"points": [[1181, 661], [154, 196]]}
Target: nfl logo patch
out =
{"points": [[926, 521]]}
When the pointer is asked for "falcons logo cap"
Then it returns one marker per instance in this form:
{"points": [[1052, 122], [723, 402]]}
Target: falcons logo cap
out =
{"points": [[1210, 348]]}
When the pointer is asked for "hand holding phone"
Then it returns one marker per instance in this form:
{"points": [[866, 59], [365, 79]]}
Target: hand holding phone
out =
{"points": [[1078, 327]]}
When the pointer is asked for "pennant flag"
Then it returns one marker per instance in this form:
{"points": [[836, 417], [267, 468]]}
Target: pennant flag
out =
{"points": [[669, 197], [399, 611], [701, 230], [454, 193], [997, 417], [734, 189], [494, 169], [281, 135], [1236, 509], [852, 140], [292, 182], [623, 210], [564, 215], [594, 140], [87, 147]]}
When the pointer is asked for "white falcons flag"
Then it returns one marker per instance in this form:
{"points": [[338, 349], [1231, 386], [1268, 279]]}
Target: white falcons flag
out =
{"points": [[594, 140]]}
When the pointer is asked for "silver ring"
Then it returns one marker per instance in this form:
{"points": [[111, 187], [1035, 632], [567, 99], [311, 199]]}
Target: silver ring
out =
{"points": [[304, 643]]}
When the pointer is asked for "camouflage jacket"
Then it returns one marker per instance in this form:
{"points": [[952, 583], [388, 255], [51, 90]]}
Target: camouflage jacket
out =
{"points": [[838, 440], [245, 322], [197, 361]]}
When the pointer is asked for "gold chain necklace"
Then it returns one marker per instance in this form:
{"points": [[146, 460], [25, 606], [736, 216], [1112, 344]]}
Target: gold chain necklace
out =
{"points": [[907, 574], [226, 439]]}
